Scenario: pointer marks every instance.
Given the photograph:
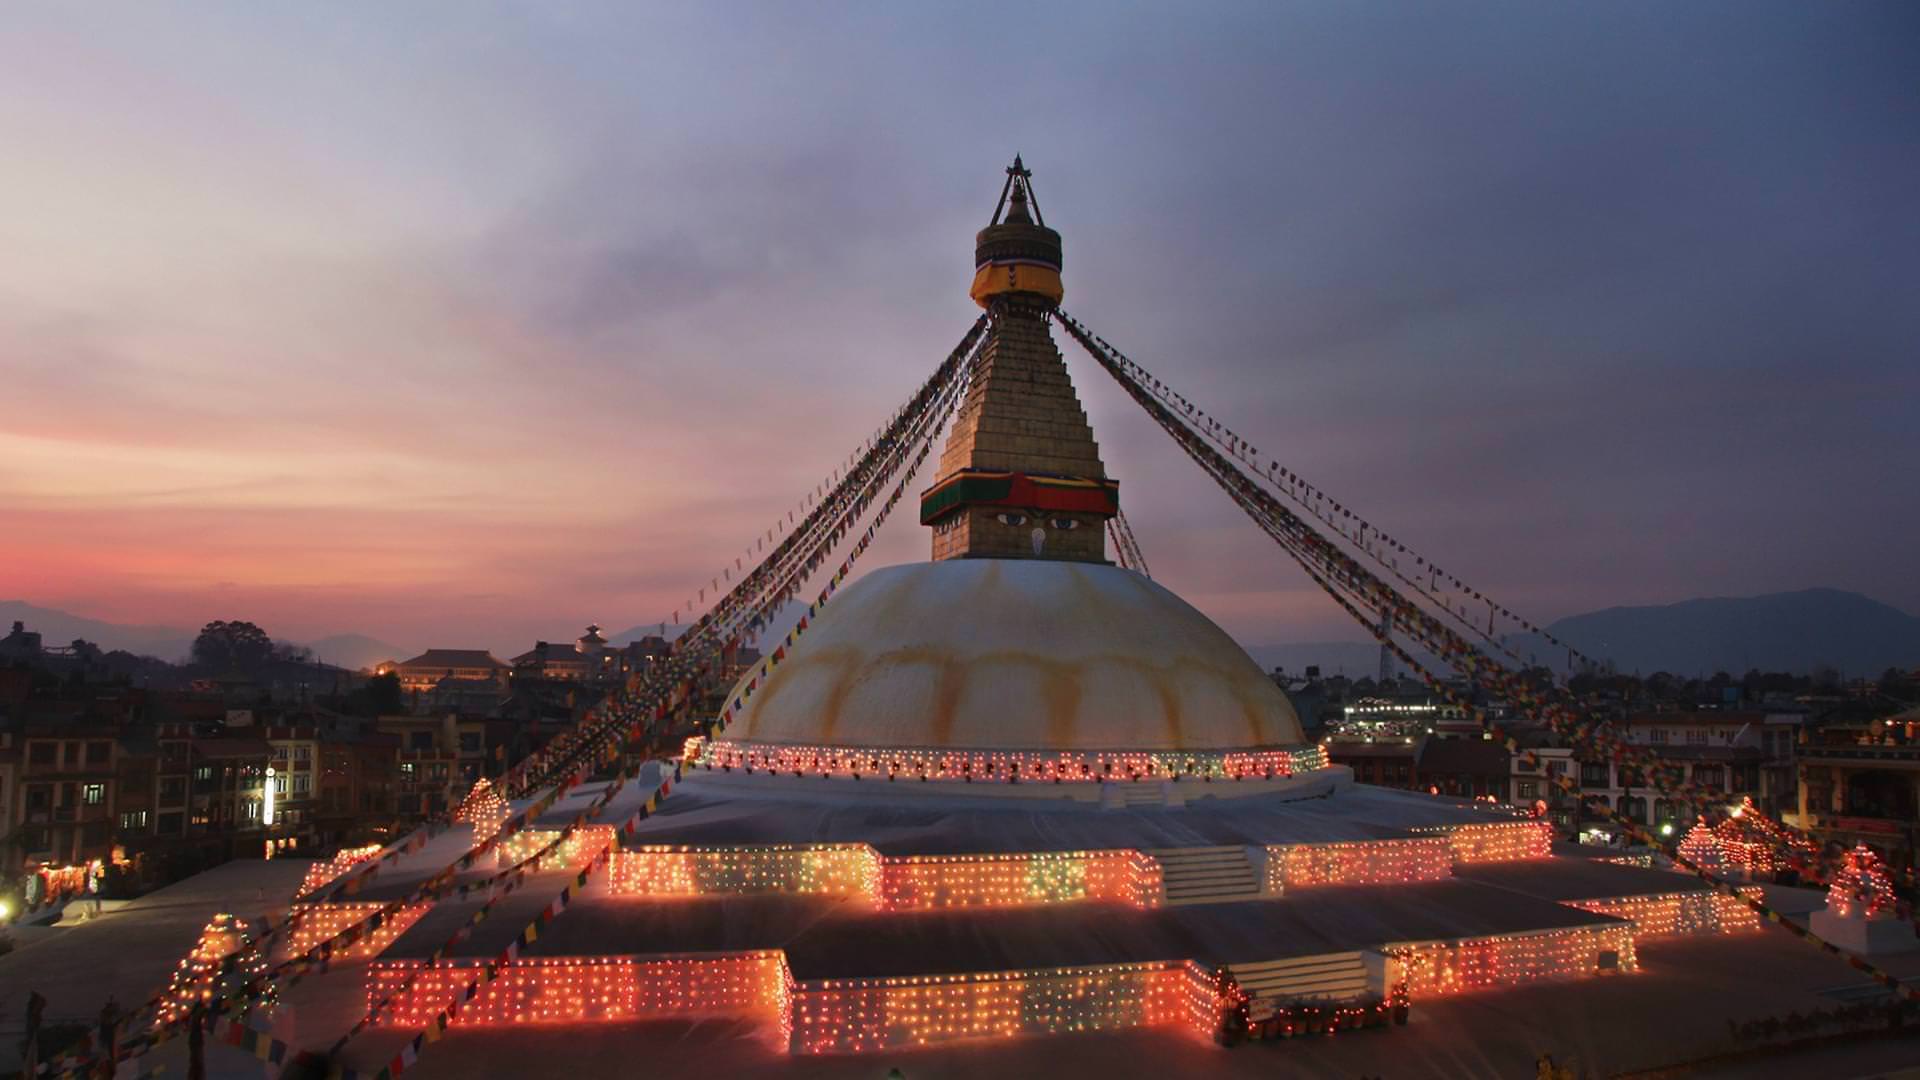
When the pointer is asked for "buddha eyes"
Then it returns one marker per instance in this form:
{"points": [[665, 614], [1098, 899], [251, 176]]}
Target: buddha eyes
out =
{"points": [[1060, 524]]}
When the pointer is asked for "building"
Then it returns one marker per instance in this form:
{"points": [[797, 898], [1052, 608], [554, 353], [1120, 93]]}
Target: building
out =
{"points": [[426, 776], [1739, 753], [1860, 784], [1467, 768], [1537, 781], [424, 672]]}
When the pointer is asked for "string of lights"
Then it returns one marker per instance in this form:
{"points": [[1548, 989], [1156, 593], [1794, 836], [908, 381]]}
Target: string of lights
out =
{"points": [[1002, 766]]}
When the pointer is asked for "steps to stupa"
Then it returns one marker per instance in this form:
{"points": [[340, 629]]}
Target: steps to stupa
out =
{"points": [[1207, 875], [1330, 977]]}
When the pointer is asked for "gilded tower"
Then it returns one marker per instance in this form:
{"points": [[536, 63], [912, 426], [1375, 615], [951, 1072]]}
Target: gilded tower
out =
{"points": [[1021, 476]]}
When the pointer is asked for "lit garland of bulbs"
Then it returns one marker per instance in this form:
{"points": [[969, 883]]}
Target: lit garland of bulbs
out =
{"points": [[225, 957], [484, 808], [1001, 766], [1702, 848], [1359, 862], [862, 1015], [1496, 841], [1862, 887], [565, 990], [323, 873], [801, 869], [891, 883], [1450, 967], [1702, 911], [587, 840], [317, 923], [923, 882]]}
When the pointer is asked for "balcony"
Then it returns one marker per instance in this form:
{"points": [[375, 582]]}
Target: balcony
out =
{"points": [[1865, 754], [1860, 823]]}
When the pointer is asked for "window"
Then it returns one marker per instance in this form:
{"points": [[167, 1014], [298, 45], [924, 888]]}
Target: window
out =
{"points": [[1711, 775], [70, 753], [204, 772], [302, 783], [1593, 774], [1696, 737], [39, 797], [173, 790], [302, 753], [134, 819], [470, 743], [1556, 768], [93, 794], [1529, 789], [1634, 807], [1657, 735], [420, 740], [43, 753], [406, 770], [99, 752]]}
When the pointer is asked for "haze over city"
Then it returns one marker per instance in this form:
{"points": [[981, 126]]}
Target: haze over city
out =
{"points": [[462, 330]]}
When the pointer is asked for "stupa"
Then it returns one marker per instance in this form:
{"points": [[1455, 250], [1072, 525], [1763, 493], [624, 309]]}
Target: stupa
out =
{"points": [[1018, 790]]}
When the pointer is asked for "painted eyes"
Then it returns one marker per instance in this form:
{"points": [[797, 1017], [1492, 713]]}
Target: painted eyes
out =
{"points": [[1064, 524], [1011, 519]]}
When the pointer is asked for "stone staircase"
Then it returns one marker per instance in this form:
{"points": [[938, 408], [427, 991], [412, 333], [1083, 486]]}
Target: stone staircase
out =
{"points": [[1207, 875], [1329, 977]]}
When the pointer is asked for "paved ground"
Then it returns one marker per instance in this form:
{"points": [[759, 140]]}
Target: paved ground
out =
{"points": [[130, 953]]}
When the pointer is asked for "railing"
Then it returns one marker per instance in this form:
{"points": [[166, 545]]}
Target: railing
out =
{"points": [[1864, 752]]}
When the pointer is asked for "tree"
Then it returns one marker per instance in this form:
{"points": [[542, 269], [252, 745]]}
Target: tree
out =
{"points": [[232, 646]]}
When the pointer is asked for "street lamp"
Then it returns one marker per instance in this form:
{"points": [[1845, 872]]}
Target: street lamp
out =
{"points": [[266, 812]]}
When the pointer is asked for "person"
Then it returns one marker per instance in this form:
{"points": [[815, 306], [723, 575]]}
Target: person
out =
{"points": [[109, 1033]]}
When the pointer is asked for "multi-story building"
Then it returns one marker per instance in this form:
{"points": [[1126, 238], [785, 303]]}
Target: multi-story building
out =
{"points": [[1537, 780], [355, 784], [426, 765], [226, 800], [424, 672], [1860, 783], [296, 765], [1739, 753], [1469, 768], [68, 780]]}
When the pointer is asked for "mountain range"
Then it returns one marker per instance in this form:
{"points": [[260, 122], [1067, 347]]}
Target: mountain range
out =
{"points": [[1795, 632], [1788, 631]]}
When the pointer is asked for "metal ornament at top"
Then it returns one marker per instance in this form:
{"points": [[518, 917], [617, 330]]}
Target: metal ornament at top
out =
{"points": [[1016, 255]]}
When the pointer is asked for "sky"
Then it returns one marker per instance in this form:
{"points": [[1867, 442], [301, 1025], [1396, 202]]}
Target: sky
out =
{"points": [[462, 324]]}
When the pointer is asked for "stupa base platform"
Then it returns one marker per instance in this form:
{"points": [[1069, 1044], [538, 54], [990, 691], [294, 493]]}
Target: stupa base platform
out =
{"points": [[1871, 937]]}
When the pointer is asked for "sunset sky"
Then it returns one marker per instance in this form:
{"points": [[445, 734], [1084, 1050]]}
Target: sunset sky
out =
{"points": [[461, 325]]}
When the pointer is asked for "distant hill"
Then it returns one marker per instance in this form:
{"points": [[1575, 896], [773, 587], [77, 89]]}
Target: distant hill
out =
{"points": [[356, 651], [1790, 631], [58, 628]]}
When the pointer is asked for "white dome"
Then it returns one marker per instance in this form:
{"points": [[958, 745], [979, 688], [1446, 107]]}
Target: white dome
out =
{"points": [[1015, 654]]}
